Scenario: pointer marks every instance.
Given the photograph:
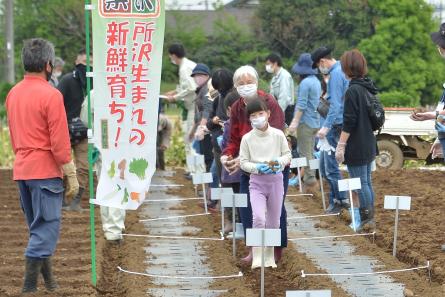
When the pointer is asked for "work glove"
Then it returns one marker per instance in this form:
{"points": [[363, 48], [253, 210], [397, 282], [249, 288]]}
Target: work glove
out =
{"points": [[293, 127], [72, 185], [219, 140], [200, 133], [262, 168], [324, 146], [340, 152], [323, 132]]}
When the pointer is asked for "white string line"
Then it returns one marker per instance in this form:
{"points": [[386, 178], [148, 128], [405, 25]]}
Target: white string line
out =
{"points": [[175, 217], [332, 236], [167, 186], [172, 200], [315, 216], [366, 273], [240, 274], [173, 237], [296, 195]]}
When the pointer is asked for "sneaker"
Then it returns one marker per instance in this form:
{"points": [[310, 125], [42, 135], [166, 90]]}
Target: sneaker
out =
{"points": [[344, 203]]}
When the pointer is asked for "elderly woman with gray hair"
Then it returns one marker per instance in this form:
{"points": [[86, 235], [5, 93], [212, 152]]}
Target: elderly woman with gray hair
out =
{"points": [[245, 80]]}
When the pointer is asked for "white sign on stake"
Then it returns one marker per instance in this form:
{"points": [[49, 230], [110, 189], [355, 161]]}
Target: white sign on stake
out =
{"points": [[263, 238], [195, 160], [272, 237], [298, 162], [314, 164], [240, 200], [233, 201], [216, 194], [202, 178], [349, 184], [312, 293], [397, 203], [391, 202]]}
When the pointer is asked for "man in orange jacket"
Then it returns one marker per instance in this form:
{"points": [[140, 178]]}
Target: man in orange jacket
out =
{"points": [[41, 144]]}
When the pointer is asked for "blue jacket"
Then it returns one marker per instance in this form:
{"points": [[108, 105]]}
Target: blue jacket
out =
{"points": [[337, 86], [308, 98]]}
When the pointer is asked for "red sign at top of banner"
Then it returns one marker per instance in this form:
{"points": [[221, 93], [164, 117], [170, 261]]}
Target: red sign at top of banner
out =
{"points": [[129, 8]]}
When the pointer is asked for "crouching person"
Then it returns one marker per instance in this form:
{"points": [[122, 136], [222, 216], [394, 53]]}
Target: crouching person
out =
{"points": [[41, 144]]}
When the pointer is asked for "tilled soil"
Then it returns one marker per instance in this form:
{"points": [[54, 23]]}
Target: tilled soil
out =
{"points": [[421, 230]]}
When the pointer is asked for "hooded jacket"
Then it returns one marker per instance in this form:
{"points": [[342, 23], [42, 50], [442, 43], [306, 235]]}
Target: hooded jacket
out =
{"points": [[361, 147]]}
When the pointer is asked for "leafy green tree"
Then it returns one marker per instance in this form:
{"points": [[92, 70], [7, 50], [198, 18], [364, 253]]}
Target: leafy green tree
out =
{"points": [[297, 26], [402, 59]]}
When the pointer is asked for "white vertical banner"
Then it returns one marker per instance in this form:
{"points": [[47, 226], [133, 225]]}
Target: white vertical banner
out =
{"points": [[128, 38]]}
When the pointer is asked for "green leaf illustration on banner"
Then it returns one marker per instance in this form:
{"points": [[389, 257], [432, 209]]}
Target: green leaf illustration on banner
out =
{"points": [[126, 195], [138, 167], [112, 170]]}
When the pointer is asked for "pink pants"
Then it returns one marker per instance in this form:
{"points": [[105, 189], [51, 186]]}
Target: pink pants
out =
{"points": [[266, 198]]}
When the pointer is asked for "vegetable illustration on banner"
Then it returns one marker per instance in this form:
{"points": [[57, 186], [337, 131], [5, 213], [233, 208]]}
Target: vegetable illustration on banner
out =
{"points": [[127, 49]]}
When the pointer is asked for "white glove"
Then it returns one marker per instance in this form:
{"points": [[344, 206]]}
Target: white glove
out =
{"points": [[324, 146]]}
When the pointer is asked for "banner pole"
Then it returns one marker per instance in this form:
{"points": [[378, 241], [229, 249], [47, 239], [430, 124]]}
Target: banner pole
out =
{"points": [[90, 149]]}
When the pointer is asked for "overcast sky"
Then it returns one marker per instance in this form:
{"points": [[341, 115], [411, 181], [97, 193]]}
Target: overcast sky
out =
{"points": [[192, 4]]}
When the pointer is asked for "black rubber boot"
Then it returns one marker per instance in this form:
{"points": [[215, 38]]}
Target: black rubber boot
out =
{"points": [[47, 272], [32, 272], [367, 216], [75, 203]]}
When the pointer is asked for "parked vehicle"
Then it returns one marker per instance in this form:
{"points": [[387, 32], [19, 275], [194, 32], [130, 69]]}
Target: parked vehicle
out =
{"points": [[403, 139]]}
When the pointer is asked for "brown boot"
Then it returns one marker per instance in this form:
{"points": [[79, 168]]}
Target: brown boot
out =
{"points": [[32, 272], [47, 272]]}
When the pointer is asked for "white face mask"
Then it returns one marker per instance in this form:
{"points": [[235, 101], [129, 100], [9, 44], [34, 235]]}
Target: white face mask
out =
{"points": [[247, 91], [200, 79], [269, 68], [173, 61], [259, 122], [57, 74], [324, 70]]}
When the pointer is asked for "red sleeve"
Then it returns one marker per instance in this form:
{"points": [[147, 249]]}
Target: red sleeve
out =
{"points": [[14, 148], [58, 129], [276, 119], [233, 145]]}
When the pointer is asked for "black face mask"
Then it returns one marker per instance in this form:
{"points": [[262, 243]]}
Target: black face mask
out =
{"points": [[49, 74], [81, 74]]}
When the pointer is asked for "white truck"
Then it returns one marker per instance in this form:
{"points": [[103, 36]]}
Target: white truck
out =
{"points": [[403, 139]]}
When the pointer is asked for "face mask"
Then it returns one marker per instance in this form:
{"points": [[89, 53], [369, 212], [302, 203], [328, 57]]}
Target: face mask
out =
{"points": [[259, 122], [269, 68], [173, 61], [49, 74], [441, 53], [247, 91], [324, 70], [200, 80], [57, 74]]}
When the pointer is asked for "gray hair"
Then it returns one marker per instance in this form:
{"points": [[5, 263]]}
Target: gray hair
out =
{"points": [[58, 61], [36, 53], [242, 71]]}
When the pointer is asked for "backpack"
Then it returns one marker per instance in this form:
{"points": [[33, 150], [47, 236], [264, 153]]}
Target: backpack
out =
{"points": [[376, 112]]}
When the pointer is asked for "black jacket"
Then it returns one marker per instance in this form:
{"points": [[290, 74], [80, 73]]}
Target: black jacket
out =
{"points": [[73, 88], [361, 147]]}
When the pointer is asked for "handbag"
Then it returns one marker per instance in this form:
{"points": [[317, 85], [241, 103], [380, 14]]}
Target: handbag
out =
{"points": [[323, 107], [78, 131]]}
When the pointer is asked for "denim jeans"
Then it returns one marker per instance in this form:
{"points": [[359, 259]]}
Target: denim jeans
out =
{"points": [[41, 201], [366, 193], [442, 142], [246, 212], [329, 167]]}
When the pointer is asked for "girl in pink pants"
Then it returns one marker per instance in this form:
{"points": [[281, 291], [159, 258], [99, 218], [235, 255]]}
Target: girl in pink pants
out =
{"points": [[264, 152]]}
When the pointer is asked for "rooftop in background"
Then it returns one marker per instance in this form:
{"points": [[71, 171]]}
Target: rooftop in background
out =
{"points": [[208, 4]]}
